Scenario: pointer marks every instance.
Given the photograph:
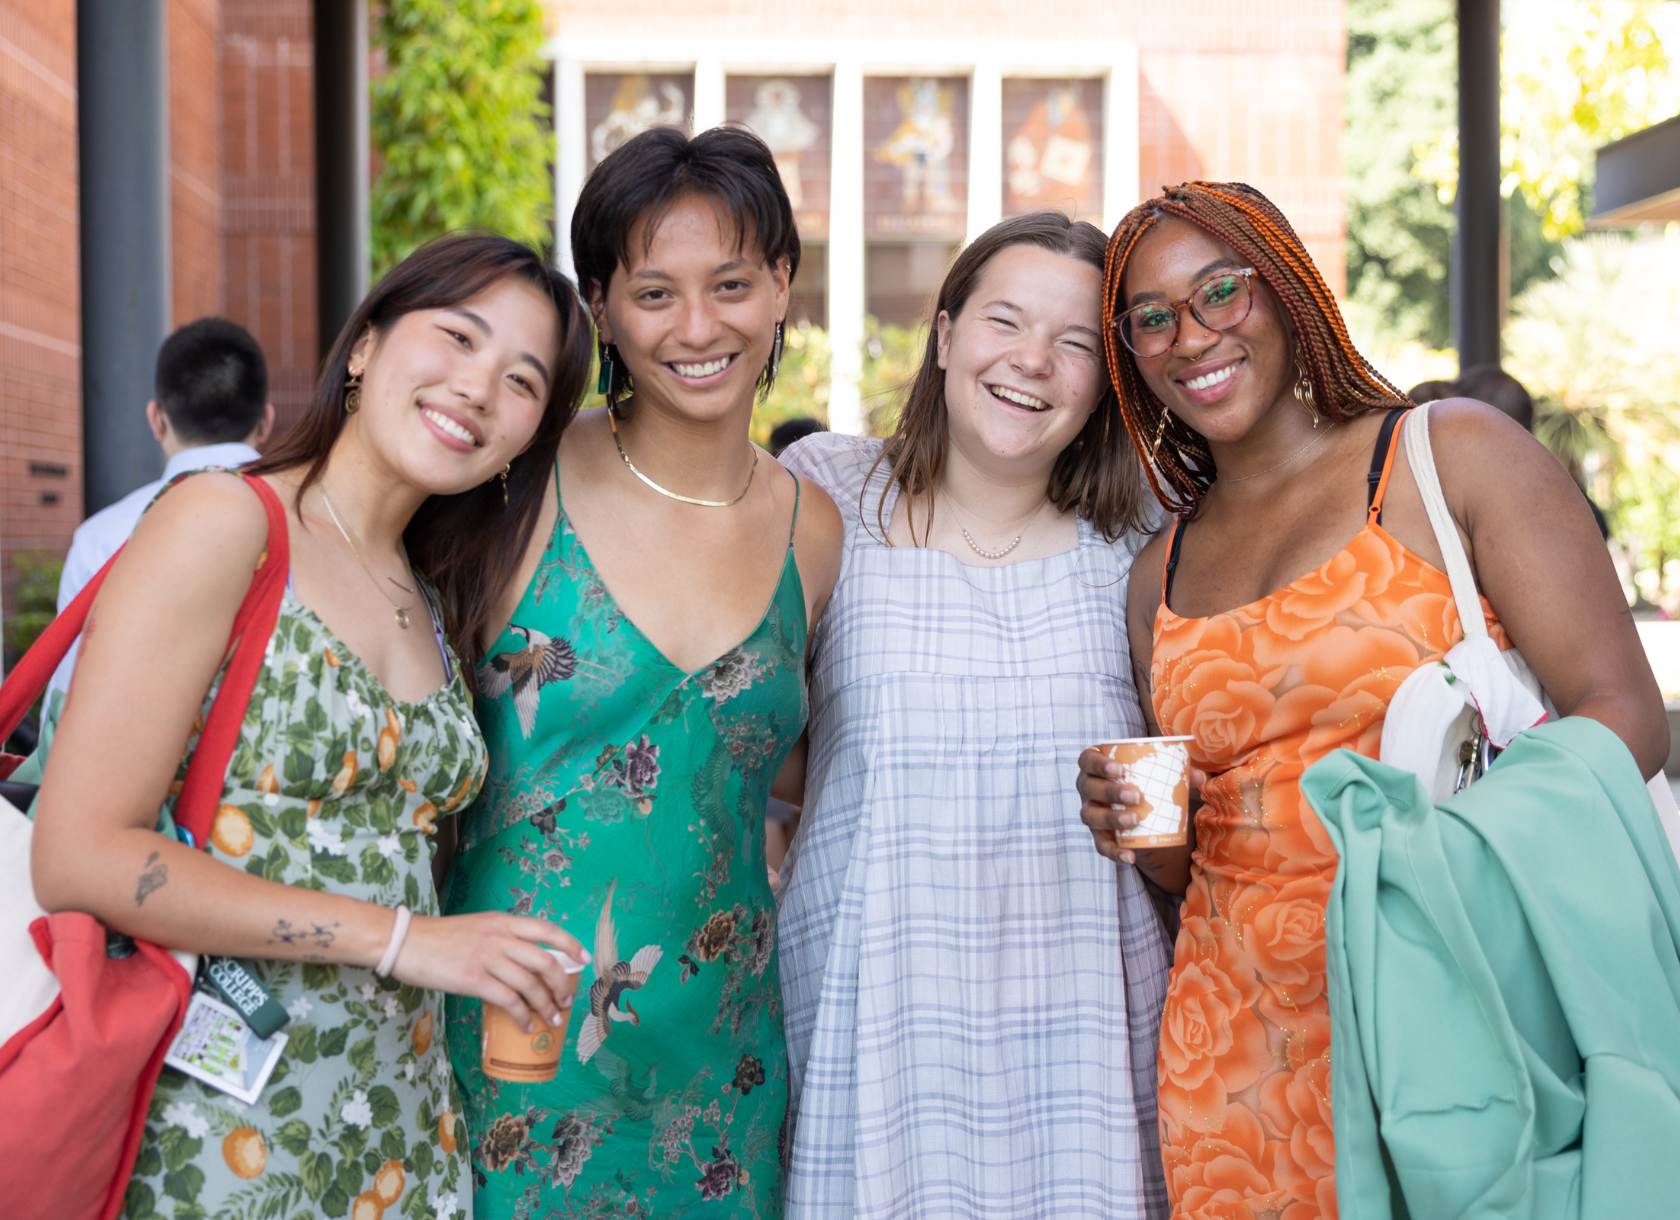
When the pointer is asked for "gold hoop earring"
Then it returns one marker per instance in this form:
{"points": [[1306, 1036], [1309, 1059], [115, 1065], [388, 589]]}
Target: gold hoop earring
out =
{"points": [[505, 470], [1160, 432], [1304, 389], [353, 394]]}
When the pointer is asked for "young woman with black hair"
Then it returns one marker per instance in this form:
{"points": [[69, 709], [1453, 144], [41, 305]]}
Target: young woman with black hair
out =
{"points": [[643, 681], [434, 422]]}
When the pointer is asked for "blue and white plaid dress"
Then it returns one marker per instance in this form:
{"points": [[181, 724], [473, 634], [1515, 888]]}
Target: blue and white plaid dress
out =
{"points": [[972, 993]]}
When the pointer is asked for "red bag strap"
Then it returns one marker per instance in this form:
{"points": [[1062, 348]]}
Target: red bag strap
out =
{"points": [[252, 627]]}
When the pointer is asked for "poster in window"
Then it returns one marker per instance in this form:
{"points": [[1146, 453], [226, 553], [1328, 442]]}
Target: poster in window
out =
{"points": [[915, 168], [1052, 147], [794, 116], [619, 105]]}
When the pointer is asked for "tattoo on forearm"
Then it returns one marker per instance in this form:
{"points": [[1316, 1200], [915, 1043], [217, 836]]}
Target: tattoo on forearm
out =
{"points": [[316, 936], [154, 878]]}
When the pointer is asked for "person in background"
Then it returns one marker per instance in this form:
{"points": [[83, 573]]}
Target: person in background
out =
{"points": [[790, 430], [209, 407], [1493, 385], [973, 997], [1429, 391]]}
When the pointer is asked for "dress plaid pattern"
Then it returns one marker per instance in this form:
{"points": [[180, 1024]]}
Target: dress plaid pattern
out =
{"points": [[972, 994]]}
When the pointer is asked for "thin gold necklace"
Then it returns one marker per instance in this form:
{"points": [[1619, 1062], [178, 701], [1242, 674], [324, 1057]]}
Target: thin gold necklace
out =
{"points": [[400, 610], [1255, 474], [612, 422]]}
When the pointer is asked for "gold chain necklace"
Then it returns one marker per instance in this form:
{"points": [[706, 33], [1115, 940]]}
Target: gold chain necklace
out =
{"points": [[612, 422], [400, 610]]}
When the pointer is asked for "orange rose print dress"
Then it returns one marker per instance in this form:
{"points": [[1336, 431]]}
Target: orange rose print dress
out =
{"points": [[1266, 690]]}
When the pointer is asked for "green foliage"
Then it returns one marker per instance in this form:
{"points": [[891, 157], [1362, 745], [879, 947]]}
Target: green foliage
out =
{"points": [[459, 124], [1574, 77], [1595, 347], [1400, 96], [1401, 105], [801, 387], [35, 601], [891, 356]]}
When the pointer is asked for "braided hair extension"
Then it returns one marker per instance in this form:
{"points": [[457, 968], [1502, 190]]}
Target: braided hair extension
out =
{"points": [[1180, 465]]}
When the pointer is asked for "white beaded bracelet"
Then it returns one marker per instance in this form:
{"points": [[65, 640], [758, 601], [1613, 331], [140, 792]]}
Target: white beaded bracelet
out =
{"points": [[399, 933]]}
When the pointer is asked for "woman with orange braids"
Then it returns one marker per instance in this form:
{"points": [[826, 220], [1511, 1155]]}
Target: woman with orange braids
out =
{"points": [[1299, 585]]}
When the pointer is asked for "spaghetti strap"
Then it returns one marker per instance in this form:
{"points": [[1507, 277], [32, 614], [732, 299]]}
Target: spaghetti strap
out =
{"points": [[1169, 567], [794, 524], [1382, 463]]}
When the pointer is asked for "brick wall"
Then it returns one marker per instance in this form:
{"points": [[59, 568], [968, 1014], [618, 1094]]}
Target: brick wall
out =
{"points": [[1250, 90], [268, 187], [195, 155], [40, 325]]}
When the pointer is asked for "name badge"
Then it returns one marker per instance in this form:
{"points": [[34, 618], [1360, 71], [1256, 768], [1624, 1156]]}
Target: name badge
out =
{"points": [[240, 991]]}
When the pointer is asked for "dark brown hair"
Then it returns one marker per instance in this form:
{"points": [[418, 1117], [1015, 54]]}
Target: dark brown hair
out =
{"points": [[1093, 475], [643, 178], [1344, 383], [469, 545]]}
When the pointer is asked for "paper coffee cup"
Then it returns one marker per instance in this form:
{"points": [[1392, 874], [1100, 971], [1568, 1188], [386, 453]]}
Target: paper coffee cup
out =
{"points": [[1159, 767], [510, 1053]]}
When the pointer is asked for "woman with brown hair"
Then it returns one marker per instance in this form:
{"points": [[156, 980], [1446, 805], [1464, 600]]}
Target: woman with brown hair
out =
{"points": [[1299, 585], [971, 995], [409, 485]]}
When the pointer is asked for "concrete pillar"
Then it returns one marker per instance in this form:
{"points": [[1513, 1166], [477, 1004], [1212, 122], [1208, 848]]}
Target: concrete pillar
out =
{"points": [[571, 155], [1476, 262], [846, 252], [122, 118], [985, 149], [341, 163], [1121, 189], [709, 109]]}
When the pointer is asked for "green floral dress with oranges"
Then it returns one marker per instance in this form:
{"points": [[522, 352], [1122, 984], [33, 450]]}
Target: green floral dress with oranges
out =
{"points": [[625, 801], [334, 786]]}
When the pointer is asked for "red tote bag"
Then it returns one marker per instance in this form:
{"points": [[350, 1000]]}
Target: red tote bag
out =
{"points": [[76, 1082]]}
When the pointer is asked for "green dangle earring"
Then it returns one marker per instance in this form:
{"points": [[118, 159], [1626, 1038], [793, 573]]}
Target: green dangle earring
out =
{"points": [[603, 386]]}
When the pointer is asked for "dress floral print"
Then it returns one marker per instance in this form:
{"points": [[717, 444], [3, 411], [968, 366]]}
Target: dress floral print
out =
{"points": [[334, 786], [625, 801], [1265, 691]]}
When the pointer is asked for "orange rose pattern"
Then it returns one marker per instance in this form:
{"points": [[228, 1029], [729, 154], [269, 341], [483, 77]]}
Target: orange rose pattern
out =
{"points": [[1265, 691]]}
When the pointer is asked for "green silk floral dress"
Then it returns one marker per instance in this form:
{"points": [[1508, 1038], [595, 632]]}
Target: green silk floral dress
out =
{"points": [[625, 800], [334, 786]]}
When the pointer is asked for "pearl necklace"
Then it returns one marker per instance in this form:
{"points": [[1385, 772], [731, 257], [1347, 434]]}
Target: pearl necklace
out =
{"points": [[989, 552]]}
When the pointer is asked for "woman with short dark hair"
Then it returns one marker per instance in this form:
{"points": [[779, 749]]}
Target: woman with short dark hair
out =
{"points": [[643, 681]]}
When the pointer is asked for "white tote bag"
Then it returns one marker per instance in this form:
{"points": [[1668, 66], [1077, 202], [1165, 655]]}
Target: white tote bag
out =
{"points": [[1445, 714]]}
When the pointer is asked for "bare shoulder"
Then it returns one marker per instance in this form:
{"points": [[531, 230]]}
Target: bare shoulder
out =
{"points": [[818, 539], [1471, 440], [214, 508], [1143, 588]]}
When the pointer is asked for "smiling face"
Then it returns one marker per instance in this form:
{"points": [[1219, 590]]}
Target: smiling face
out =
{"points": [[693, 313], [1023, 358], [1221, 383], [450, 396]]}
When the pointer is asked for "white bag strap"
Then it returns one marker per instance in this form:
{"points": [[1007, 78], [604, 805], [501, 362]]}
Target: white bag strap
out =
{"points": [[1421, 455]]}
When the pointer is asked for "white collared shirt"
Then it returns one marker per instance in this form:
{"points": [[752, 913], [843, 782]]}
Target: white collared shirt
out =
{"points": [[99, 537]]}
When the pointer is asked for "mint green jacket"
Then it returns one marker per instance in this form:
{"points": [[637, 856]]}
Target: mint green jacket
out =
{"points": [[1504, 987]]}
